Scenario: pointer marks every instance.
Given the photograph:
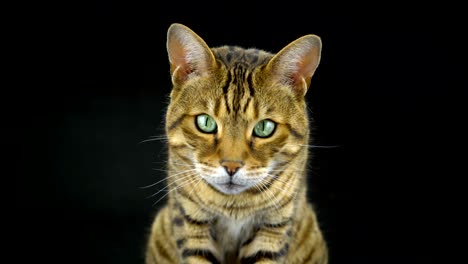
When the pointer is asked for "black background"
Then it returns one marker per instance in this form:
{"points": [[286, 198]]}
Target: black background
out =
{"points": [[389, 93]]}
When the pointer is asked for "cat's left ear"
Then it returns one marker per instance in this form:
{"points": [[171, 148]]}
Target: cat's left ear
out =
{"points": [[295, 64]]}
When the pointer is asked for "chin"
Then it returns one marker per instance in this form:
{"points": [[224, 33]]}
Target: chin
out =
{"points": [[230, 188]]}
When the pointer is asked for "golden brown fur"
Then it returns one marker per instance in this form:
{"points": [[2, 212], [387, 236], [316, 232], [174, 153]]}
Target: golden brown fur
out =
{"points": [[270, 220]]}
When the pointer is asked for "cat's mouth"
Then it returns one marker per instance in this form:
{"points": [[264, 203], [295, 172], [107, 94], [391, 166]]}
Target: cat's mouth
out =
{"points": [[224, 183], [230, 187]]}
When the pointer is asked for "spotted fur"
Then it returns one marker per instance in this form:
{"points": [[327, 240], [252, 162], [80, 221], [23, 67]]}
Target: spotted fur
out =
{"points": [[237, 197]]}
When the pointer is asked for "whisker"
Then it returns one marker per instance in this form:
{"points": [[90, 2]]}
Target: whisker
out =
{"points": [[163, 161], [173, 163], [259, 186], [273, 196], [199, 208], [271, 175], [160, 136], [163, 170], [190, 181], [181, 164], [265, 190], [153, 139], [172, 184], [165, 178], [314, 146], [195, 185], [286, 188], [260, 190], [287, 170], [285, 183]]}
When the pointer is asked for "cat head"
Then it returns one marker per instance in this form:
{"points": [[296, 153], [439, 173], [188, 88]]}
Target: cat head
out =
{"points": [[238, 116]]}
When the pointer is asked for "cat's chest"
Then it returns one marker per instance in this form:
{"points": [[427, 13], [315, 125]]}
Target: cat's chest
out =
{"points": [[231, 233]]}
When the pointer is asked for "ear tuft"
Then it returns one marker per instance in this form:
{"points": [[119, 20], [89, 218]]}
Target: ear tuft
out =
{"points": [[188, 54], [295, 64]]}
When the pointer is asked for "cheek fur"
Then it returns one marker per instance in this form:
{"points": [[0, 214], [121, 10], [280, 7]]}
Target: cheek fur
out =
{"points": [[202, 145], [265, 148]]}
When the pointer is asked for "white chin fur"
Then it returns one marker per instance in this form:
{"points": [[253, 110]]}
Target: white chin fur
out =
{"points": [[230, 188], [222, 182]]}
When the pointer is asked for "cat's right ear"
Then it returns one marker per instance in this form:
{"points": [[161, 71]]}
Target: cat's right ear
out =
{"points": [[189, 55]]}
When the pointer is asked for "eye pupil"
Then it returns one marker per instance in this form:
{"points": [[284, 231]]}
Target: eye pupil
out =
{"points": [[205, 123], [264, 128]]}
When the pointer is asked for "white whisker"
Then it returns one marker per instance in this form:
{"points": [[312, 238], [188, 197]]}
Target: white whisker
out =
{"points": [[154, 138], [287, 170], [195, 185], [189, 181], [172, 183], [285, 183], [165, 178], [265, 190], [313, 146], [163, 170], [173, 163], [182, 164]]}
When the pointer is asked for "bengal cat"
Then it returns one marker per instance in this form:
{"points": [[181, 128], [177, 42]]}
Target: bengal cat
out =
{"points": [[238, 135]]}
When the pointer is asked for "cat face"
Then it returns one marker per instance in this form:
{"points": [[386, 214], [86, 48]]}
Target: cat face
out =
{"points": [[235, 141], [236, 115]]}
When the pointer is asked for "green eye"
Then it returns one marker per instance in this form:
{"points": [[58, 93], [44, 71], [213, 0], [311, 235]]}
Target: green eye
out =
{"points": [[264, 128], [206, 123]]}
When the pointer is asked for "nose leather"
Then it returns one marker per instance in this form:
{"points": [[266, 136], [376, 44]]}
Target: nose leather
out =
{"points": [[231, 167]]}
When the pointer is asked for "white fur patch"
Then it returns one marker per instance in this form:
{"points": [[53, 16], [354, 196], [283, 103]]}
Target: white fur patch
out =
{"points": [[232, 232]]}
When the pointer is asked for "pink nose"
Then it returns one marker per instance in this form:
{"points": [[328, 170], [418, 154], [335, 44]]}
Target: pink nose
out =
{"points": [[232, 166]]}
